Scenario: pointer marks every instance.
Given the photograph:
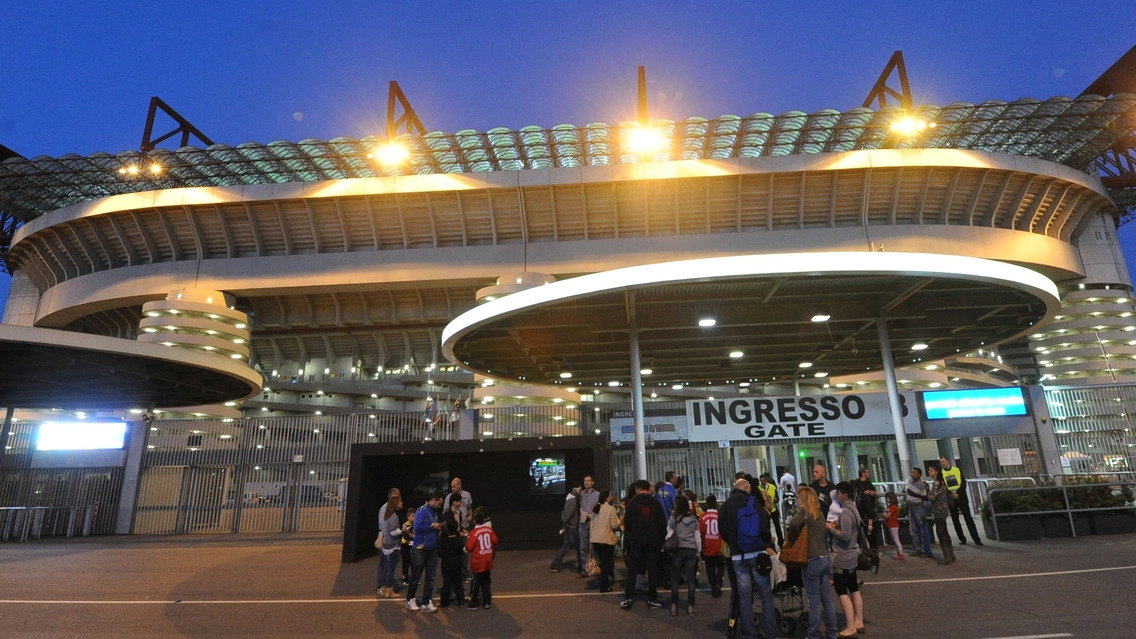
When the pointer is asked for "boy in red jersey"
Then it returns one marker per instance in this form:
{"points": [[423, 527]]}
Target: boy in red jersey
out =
{"points": [[481, 546], [712, 546]]}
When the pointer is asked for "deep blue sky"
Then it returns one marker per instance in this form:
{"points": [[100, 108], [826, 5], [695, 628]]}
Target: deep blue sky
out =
{"points": [[76, 77]]}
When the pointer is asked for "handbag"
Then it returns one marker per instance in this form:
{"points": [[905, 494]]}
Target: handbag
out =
{"points": [[379, 541], [869, 558], [796, 554], [670, 544]]}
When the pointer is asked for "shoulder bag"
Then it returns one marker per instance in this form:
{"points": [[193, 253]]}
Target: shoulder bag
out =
{"points": [[796, 554]]}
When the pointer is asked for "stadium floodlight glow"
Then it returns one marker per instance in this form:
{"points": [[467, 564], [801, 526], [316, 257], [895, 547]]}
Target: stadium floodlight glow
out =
{"points": [[644, 139], [911, 125], [390, 154]]}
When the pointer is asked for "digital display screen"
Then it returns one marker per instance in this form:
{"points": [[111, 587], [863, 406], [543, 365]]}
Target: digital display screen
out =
{"points": [[547, 476], [978, 402], [81, 436]]}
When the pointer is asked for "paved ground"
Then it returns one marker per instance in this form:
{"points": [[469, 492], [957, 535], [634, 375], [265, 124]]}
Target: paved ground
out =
{"points": [[295, 586]]}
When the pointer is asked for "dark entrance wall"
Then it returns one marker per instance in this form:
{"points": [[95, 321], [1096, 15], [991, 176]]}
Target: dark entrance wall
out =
{"points": [[494, 472]]}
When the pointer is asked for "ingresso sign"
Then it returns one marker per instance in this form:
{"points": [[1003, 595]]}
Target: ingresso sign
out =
{"points": [[787, 418]]}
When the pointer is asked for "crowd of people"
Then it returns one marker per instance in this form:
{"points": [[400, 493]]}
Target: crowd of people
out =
{"points": [[666, 535]]}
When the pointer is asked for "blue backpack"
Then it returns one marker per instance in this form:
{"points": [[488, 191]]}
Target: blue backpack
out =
{"points": [[749, 528]]}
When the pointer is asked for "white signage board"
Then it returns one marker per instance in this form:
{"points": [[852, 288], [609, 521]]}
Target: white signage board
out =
{"points": [[761, 419], [1010, 456], [667, 425]]}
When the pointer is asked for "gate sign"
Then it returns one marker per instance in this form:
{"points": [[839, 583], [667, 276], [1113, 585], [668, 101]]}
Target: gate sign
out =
{"points": [[659, 426], [764, 419]]}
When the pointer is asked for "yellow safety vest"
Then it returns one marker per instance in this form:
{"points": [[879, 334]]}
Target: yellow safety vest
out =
{"points": [[771, 490], [952, 478]]}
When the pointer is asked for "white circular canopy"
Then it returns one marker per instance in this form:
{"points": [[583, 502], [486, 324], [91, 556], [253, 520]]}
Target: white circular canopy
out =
{"points": [[762, 306]]}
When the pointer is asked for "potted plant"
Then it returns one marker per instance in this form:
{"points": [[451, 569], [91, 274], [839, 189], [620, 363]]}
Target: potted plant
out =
{"points": [[1109, 506]]}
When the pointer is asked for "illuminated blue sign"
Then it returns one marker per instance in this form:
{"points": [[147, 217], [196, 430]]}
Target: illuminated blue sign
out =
{"points": [[978, 402]]}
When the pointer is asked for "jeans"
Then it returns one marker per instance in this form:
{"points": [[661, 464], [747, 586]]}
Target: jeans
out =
{"points": [[571, 540], [422, 561], [387, 565], [920, 536], [818, 573], [584, 547], [748, 578], [684, 561]]}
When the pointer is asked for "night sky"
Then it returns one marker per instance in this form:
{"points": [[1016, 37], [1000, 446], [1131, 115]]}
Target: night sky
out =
{"points": [[77, 77]]}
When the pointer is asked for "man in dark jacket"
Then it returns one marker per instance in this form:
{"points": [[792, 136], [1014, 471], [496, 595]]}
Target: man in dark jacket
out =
{"points": [[746, 560], [644, 528]]}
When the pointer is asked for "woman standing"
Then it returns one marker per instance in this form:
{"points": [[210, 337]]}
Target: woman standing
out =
{"points": [[940, 510], [390, 534], [846, 533], [818, 572], [684, 560], [604, 524]]}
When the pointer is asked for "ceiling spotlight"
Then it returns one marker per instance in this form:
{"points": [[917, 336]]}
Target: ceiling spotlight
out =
{"points": [[566, 375], [821, 317], [919, 346], [613, 383], [806, 364], [736, 354], [707, 322], [646, 371]]}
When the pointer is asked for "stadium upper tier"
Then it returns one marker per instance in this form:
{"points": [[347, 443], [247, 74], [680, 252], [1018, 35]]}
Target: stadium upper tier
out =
{"points": [[1072, 132]]}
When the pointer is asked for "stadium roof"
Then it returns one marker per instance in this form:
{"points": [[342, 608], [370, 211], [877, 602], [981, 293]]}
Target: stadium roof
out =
{"points": [[1069, 131]]}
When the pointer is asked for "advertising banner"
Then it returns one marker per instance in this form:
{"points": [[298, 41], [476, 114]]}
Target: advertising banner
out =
{"points": [[659, 426], [771, 419]]}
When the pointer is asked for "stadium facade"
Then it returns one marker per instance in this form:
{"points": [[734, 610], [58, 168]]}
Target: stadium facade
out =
{"points": [[308, 285]]}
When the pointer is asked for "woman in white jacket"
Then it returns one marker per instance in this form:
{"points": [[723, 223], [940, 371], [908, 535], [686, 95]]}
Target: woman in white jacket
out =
{"points": [[605, 521]]}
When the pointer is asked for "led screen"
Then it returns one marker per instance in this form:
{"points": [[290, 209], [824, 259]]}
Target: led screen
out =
{"points": [[547, 475], [978, 402], [81, 436]]}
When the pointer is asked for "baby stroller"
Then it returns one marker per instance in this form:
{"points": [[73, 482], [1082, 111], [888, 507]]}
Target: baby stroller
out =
{"points": [[789, 598]]}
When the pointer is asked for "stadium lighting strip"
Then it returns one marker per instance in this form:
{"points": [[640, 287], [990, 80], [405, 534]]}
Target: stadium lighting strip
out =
{"points": [[750, 266]]}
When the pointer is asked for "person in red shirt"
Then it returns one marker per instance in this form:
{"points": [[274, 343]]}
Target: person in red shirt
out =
{"points": [[712, 546], [481, 546]]}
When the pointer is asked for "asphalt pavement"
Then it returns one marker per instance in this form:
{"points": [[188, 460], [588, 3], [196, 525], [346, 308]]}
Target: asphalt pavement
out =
{"points": [[295, 586]]}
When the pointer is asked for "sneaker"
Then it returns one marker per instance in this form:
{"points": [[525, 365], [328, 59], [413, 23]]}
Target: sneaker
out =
{"points": [[654, 603], [625, 604], [486, 606], [428, 607], [411, 606], [471, 606], [554, 568], [899, 556]]}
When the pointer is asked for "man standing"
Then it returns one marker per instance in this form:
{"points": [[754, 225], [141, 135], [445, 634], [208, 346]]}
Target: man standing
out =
{"points": [[917, 503], [424, 554], [736, 521], [589, 497], [788, 481], [825, 490], [774, 515], [644, 527], [569, 528], [668, 492], [867, 500], [466, 510], [960, 502]]}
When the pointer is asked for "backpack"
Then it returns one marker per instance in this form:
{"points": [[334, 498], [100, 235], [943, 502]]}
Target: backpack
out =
{"points": [[749, 528]]}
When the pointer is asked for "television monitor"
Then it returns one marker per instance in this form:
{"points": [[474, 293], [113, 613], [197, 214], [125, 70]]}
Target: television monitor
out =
{"points": [[971, 403]]}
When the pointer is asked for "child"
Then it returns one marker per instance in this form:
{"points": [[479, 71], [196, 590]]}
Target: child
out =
{"points": [[407, 544], [893, 524], [712, 546], [450, 547], [480, 545]]}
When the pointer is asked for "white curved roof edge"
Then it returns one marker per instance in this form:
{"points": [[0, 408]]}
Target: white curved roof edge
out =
{"points": [[765, 265]]}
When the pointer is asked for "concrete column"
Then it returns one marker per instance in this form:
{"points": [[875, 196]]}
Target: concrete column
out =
{"points": [[830, 462], [893, 393], [893, 470], [637, 394], [139, 431]]}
